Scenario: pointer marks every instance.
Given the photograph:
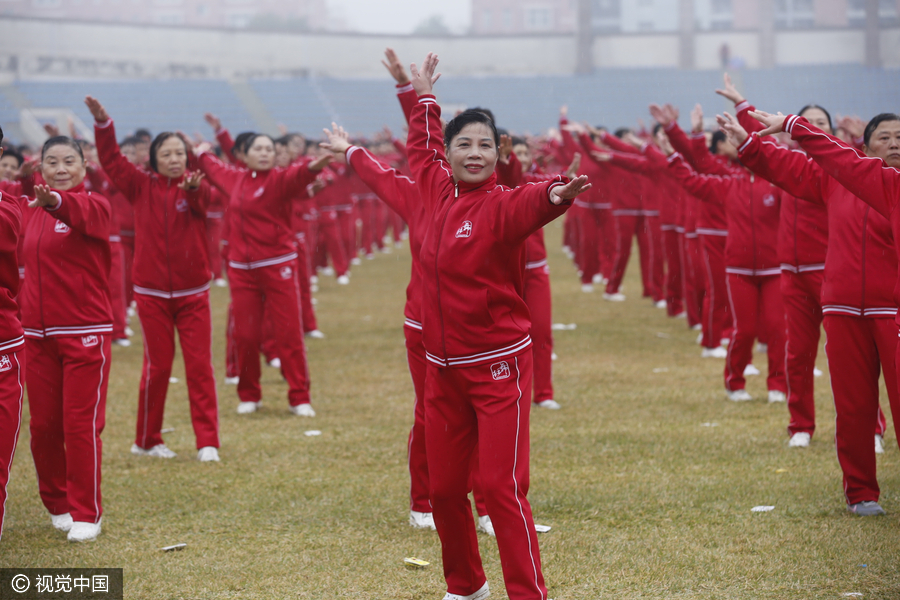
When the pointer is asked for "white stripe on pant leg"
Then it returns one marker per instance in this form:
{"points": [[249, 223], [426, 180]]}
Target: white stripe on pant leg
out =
{"points": [[734, 332], [712, 291], [516, 483], [96, 408], [15, 442], [146, 387], [411, 431]]}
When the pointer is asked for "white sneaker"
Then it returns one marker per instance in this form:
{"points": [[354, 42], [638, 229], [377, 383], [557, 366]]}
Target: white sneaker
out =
{"points": [[245, 408], [303, 410], [232, 380], [130, 311], [617, 297], [220, 282], [123, 342], [313, 280], [817, 372], [398, 244], [698, 327], [62, 522], [777, 396], [313, 288], [550, 404], [129, 332], [660, 304], [481, 594], [700, 336], [799, 440], [355, 261], [485, 525], [386, 249], [719, 352], [421, 520], [157, 451], [343, 280], [208, 454], [724, 342], [879, 444], [587, 288], [84, 532], [738, 395], [762, 348], [681, 315], [553, 356], [328, 271], [275, 363], [370, 256], [597, 279], [315, 334], [750, 370]]}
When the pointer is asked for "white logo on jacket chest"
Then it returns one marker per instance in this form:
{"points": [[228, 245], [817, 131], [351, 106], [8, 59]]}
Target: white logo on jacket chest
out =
{"points": [[181, 205], [5, 363], [61, 227], [259, 192], [89, 340], [769, 200], [465, 230], [500, 370]]}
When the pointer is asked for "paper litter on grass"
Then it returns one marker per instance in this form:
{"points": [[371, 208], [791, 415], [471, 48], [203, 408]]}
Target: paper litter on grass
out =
{"points": [[762, 508], [173, 380], [781, 470], [168, 430], [416, 563], [852, 595], [173, 548], [660, 334], [563, 326], [661, 370], [312, 432], [709, 424], [542, 528]]}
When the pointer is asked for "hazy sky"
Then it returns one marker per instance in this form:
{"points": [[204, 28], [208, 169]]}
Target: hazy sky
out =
{"points": [[400, 16]]}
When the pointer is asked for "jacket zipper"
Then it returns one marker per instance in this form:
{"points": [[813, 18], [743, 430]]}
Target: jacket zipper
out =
{"points": [[437, 278], [40, 280], [865, 230], [752, 223], [796, 218], [166, 226]]}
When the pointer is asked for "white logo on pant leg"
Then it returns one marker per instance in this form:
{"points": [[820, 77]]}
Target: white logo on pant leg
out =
{"points": [[286, 272], [465, 230], [181, 205], [500, 370], [89, 340], [61, 227], [5, 363]]}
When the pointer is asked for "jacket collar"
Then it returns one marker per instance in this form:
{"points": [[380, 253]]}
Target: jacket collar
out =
{"points": [[488, 184]]}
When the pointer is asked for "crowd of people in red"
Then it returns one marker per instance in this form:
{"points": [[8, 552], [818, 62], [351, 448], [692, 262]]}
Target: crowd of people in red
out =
{"points": [[763, 230]]}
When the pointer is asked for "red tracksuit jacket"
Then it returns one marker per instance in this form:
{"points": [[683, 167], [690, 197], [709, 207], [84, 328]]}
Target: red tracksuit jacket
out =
{"points": [[259, 210], [751, 206], [510, 174], [401, 194], [67, 262], [11, 334], [171, 258], [473, 255], [860, 265], [710, 218]]}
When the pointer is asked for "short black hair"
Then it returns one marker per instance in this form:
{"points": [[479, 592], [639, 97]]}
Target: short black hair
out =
{"points": [[718, 137], [61, 140], [519, 141], [248, 143], [15, 154], [1, 135], [129, 141], [485, 111], [158, 141], [827, 114], [656, 129], [467, 117], [143, 135], [283, 140], [621, 131], [240, 142], [875, 122]]}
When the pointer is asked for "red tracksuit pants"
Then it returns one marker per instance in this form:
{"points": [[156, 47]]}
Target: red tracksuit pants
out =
{"points": [[715, 301], [306, 306], [347, 226], [537, 297], [271, 290], [858, 348], [67, 378], [674, 286], [117, 290], [369, 213], [801, 293], [214, 244], [627, 227], [191, 316], [419, 494], [755, 303], [652, 250], [485, 406], [12, 391], [330, 244], [693, 270], [590, 238], [128, 257]]}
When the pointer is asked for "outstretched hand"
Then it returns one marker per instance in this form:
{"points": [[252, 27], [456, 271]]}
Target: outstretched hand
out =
{"points": [[97, 110], [661, 114], [737, 135], [773, 123], [572, 171], [423, 80], [320, 163], [697, 119], [561, 193], [337, 140], [213, 121], [191, 180], [601, 156], [852, 125], [730, 91], [505, 149], [394, 67], [43, 197]]}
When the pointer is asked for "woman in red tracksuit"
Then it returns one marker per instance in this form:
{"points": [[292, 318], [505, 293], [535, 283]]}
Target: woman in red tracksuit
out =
{"points": [[12, 341], [872, 178], [171, 282], [475, 332], [261, 265], [753, 275], [67, 320]]}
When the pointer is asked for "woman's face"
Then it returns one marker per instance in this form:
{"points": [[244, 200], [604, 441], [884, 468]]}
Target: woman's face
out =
{"points": [[9, 166], [171, 158], [62, 167], [885, 143], [473, 153], [261, 154], [523, 153], [818, 118]]}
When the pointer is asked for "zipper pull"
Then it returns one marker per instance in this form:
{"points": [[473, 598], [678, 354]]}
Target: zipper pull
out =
{"points": [[456, 190]]}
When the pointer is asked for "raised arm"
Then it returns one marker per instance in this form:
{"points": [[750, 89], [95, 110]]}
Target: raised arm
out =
{"points": [[88, 214], [524, 210], [405, 92], [125, 176], [708, 188], [10, 223]]}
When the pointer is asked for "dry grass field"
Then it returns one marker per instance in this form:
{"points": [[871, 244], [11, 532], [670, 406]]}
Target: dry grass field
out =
{"points": [[647, 475]]}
